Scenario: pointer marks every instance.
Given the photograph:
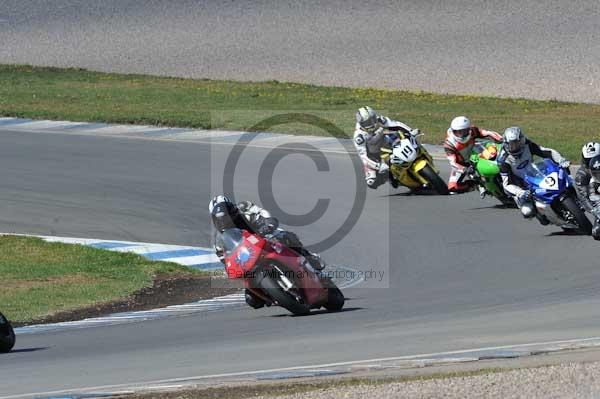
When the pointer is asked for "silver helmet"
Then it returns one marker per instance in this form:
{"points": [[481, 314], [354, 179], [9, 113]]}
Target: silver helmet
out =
{"points": [[513, 140], [367, 118]]}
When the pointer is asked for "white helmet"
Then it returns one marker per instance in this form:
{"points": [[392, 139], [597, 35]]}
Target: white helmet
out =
{"points": [[461, 128], [589, 151]]}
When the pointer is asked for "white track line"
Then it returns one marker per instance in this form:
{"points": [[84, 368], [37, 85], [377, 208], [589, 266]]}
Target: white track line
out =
{"points": [[438, 356], [148, 249]]}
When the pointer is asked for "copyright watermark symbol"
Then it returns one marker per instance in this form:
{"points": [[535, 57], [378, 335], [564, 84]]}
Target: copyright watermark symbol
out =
{"points": [[266, 192], [314, 185]]}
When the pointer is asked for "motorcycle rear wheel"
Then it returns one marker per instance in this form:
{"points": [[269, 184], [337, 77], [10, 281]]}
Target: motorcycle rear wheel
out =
{"points": [[7, 335], [335, 300], [283, 298], [585, 226], [435, 180]]}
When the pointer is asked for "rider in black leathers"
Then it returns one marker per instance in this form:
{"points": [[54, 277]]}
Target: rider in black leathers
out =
{"points": [[587, 183], [246, 215]]}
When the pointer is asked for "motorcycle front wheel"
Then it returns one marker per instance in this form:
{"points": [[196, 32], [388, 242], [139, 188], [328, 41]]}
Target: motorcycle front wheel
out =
{"points": [[585, 226], [435, 180], [272, 285], [7, 335]]}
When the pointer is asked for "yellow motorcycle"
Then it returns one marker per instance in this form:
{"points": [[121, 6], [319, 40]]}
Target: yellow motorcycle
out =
{"points": [[411, 164]]}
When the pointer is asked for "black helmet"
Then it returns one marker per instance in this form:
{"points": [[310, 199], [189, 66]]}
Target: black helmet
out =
{"points": [[594, 165], [223, 212]]}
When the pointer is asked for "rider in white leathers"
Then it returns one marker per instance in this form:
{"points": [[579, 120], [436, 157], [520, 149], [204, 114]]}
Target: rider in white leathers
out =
{"points": [[517, 153], [369, 136]]}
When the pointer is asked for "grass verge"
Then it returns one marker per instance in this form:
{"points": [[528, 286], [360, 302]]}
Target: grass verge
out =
{"points": [[81, 95], [41, 278]]}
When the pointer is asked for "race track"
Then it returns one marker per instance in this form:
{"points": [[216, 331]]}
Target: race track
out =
{"points": [[516, 48], [462, 273]]}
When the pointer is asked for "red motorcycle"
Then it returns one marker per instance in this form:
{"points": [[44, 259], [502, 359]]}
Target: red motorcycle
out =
{"points": [[277, 274]]}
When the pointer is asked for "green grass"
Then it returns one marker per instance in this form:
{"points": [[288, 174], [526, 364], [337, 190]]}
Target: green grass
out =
{"points": [[41, 278], [80, 95]]}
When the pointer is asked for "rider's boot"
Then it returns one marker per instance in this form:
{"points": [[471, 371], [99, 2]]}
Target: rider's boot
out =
{"points": [[393, 181], [252, 300], [596, 230], [315, 261], [482, 191]]}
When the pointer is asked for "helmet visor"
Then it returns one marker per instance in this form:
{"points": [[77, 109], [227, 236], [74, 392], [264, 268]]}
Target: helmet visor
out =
{"points": [[514, 147], [462, 133], [370, 125]]}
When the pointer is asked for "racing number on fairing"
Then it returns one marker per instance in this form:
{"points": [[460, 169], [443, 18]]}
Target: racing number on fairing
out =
{"points": [[407, 150]]}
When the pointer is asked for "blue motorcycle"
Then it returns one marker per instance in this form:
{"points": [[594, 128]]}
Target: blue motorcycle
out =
{"points": [[555, 197]]}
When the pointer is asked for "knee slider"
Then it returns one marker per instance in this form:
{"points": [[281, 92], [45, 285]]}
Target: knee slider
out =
{"points": [[528, 210]]}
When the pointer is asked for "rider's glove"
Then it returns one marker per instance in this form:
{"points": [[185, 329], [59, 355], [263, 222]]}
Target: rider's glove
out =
{"points": [[377, 132], [383, 167], [469, 170], [267, 227], [565, 163], [415, 132]]}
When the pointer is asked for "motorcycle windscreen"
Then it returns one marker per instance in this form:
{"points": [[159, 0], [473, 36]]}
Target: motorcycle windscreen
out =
{"points": [[232, 238], [547, 180]]}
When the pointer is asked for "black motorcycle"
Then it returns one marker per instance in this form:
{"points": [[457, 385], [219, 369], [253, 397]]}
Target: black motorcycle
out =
{"points": [[7, 335]]}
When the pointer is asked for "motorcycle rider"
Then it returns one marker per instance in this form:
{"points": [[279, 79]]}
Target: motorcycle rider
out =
{"points": [[460, 139], [517, 152], [369, 136], [248, 216], [587, 183]]}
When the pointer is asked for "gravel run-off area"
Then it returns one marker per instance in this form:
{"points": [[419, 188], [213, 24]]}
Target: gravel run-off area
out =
{"points": [[571, 380]]}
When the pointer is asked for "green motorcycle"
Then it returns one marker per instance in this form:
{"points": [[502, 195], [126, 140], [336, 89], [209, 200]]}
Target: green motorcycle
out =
{"points": [[485, 172]]}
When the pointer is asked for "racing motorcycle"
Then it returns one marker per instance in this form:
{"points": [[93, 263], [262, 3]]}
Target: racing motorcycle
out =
{"points": [[485, 172], [7, 335], [411, 164], [277, 274], [555, 197]]}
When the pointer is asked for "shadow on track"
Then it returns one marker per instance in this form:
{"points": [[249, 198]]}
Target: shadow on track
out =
{"points": [[26, 350], [317, 312], [566, 233], [424, 192]]}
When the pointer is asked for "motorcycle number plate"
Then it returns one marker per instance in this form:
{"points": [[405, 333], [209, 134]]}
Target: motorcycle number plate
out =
{"points": [[405, 151], [550, 182]]}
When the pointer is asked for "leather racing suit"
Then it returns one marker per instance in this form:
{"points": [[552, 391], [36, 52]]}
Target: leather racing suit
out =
{"points": [[588, 192], [368, 145], [512, 171], [458, 153]]}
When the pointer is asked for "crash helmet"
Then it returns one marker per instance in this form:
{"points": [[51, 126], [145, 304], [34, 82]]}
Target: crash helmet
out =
{"points": [[461, 129], [594, 165], [223, 212], [513, 141], [367, 118], [589, 151]]}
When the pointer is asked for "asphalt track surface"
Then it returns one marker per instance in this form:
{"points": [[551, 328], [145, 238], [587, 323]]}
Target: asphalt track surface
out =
{"points": [[515, 48], [461, 273]]}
